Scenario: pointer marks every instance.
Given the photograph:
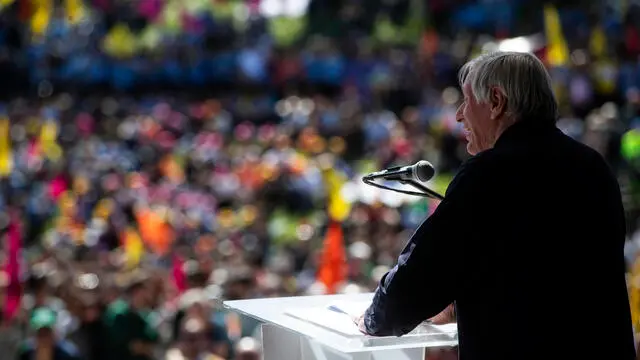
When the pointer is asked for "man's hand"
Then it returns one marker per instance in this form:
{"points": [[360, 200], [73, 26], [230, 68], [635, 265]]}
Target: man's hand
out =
{"points": [[359, 321], [445, 317]]}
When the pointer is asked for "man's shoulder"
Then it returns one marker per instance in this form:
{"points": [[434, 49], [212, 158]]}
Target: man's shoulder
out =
{"points": [[577, 159], [472, 174], [574, 146], [480, 165], [556, 147]]}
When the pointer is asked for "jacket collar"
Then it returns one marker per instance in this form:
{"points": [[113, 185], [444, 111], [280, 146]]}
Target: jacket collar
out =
{"points": [[525, 130]]}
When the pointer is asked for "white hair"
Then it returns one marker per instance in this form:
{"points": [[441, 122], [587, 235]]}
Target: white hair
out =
{"points": [[521, 77]]}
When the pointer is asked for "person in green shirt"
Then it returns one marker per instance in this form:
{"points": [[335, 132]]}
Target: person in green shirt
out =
{"points": [[130, 334]]}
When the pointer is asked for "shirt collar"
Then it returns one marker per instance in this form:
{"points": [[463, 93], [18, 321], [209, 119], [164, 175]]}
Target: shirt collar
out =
{"points": [[525, 130]]}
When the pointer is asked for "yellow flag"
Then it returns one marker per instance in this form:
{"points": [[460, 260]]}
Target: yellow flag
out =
{"points": [[6, 156], [48, 140], [103, 209], [598, 42], [4, 3], [133, 247], [41, 17], [74, 10], [171, 16], [338, 207], [120, 42], [634, 294], [151, 37], [557, 49]]}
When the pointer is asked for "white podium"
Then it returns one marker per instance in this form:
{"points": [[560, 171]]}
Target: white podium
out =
{"points": [[289, 337]]}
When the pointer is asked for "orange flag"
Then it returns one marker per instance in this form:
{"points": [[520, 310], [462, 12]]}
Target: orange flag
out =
{"points": [[333, 264], [156, 233]]}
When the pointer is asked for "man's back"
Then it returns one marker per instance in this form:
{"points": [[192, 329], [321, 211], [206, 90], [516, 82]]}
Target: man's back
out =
{"points": [[544, 277]]}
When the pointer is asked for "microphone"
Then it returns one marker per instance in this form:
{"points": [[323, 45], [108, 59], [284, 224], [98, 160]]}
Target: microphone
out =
{"points": [[421, 171]]}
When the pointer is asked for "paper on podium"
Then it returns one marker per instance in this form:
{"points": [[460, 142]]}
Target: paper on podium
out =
{"points": [[329, 319], [352, 308], [338, 316]]}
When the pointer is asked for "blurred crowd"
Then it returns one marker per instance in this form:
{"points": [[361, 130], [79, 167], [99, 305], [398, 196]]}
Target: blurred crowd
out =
{"points": [[160, 156]]}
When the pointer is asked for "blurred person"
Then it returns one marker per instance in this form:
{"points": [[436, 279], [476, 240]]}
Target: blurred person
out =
{"points": [[248, 349], [40, 292], [516, 259], [88, 337], [44, 345], [131, 334], [11, 332], [193, 342], [194, 305], [240, 285]]}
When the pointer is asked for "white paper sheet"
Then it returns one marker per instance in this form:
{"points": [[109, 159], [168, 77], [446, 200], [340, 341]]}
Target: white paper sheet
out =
{"points": [[352, 308], [326, 318], [338, 316]]}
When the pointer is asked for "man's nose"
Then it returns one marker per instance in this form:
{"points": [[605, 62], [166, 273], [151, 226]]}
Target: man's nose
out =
{"points": [[459, 116]]}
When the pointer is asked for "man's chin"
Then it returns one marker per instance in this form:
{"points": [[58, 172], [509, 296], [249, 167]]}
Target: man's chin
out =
{"points": [[471, 149]]}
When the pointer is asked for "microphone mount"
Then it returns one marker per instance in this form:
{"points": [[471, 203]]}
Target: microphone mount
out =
{"points": [[424, 190]]}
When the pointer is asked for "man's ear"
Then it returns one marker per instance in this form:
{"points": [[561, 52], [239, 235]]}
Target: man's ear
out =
{"points": [[498, 102]]}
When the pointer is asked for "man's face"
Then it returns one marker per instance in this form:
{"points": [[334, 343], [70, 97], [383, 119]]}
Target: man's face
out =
{"points": [[479, 127]]}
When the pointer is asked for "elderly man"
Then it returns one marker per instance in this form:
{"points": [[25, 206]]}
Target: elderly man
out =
{"points": [[528, 241]]}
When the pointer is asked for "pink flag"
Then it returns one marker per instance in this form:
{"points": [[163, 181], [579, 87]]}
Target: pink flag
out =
{"points": [[56, 187], [12, 270], [179, 276], [33, 153], [150, 8]]}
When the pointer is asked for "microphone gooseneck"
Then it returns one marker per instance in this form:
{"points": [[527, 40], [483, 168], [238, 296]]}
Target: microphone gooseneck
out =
{"points": [[415, 175]]}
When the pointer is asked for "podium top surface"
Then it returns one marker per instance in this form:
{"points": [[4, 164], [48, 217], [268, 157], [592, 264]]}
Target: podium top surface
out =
{"points": [[282, 312]]}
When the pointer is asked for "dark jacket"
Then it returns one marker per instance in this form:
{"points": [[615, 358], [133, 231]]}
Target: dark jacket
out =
{"points": [[528, 243]]}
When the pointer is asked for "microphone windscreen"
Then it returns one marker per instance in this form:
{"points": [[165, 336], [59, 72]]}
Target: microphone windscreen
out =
{"points": [[424, 170]]}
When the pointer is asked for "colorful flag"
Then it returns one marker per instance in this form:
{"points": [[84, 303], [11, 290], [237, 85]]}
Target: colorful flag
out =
{"points": [[24, 10], [156, 233], [133, 247], [41, 17], [333, 264], [179, 276], [120, 42], [634, 294], [172, 169], [338, 207], [5, 3], [557, 49], [57, 187], [74, 10], [630, 145], [598, 42], [12, 270], [6, 155], [48, 139]]}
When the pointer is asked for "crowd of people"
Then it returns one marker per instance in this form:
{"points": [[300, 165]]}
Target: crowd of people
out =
{"points": [[157, 157]]}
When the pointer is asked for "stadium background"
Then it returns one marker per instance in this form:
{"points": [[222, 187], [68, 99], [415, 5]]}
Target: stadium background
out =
{"points": [[213, 149]]}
